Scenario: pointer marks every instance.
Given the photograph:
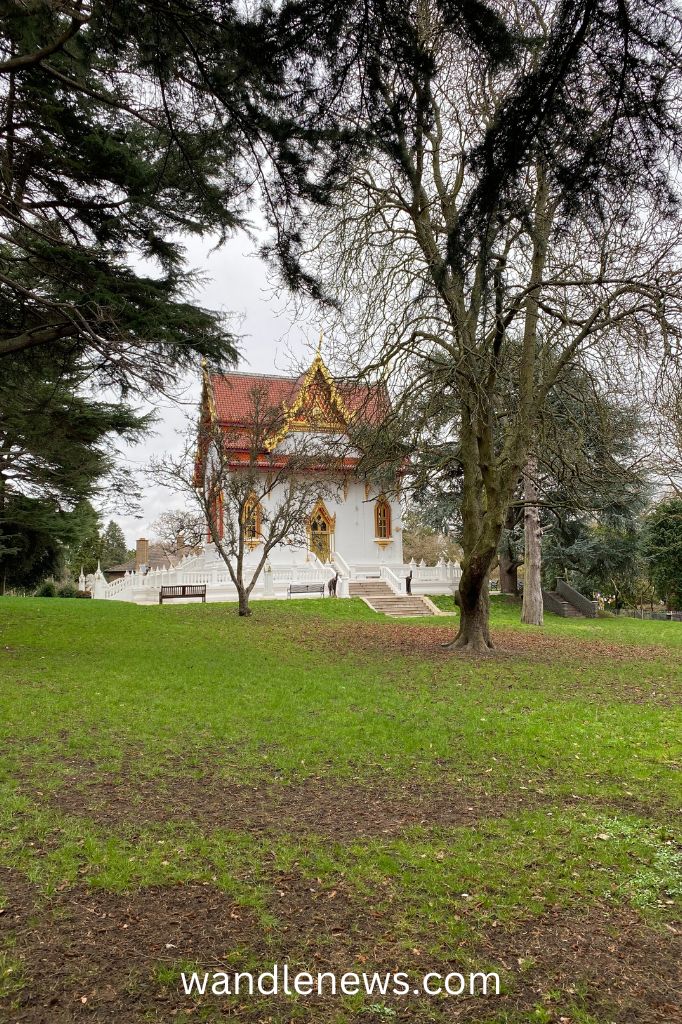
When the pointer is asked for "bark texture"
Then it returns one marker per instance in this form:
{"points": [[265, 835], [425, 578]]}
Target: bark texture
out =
{"points": [[509, 575], [474, 630], [532, 613]]}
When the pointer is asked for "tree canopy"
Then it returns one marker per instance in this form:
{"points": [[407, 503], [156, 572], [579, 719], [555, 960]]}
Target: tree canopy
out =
{"points": [[483, 247], [113, 545], [124, 127], [58, 449]]}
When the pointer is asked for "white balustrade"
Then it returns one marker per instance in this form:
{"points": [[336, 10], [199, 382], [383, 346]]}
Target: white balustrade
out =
{"points": [[341, 563], [395, 582], [206, 569]]}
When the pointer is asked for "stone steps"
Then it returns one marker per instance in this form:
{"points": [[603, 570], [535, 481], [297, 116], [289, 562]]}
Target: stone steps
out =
{"points": [[404, 610], [382, 599], [568, 610], [359, 588]]}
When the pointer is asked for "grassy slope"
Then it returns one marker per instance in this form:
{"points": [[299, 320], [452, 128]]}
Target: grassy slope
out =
{"points": [[181, 690]]}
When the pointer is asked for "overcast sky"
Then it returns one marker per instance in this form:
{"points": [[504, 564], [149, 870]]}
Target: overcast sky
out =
{"points": [[237, 282]]}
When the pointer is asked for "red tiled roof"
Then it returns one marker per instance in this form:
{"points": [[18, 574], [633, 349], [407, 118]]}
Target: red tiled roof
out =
{"points": [[233, 394], [232, 398]]}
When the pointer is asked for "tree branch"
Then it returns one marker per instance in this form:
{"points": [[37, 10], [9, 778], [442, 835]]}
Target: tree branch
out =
{"points": [[27, 60]]}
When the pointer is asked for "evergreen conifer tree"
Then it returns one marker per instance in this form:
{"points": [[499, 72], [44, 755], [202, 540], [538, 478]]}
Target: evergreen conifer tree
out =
{"points": [[113, 546]]}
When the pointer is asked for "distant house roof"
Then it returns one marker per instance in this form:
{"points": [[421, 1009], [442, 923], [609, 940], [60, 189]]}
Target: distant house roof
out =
{"points": [[158, 559]]}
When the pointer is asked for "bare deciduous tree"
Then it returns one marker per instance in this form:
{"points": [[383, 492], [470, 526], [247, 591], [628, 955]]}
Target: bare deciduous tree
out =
{"points": [[487, 328], [251, 494], [532, 613], [186, 525]]}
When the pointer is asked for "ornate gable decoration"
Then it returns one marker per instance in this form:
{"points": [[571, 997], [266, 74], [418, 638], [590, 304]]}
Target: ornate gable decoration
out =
{"points": [[207, 397], [318, 406]]}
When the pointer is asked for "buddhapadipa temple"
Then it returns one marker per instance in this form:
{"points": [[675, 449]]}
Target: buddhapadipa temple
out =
{"points": [[353, 528], [354, 524]]}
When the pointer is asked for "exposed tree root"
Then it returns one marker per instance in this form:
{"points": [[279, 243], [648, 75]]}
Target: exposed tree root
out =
{"points": [[471, 642]]}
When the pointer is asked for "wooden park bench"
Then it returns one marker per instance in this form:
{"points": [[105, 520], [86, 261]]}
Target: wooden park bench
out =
{"points": [[305, 588], [183, 590]]}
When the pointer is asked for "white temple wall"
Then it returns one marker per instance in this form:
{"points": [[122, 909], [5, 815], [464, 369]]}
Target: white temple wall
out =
{"points": [[353, 536]]}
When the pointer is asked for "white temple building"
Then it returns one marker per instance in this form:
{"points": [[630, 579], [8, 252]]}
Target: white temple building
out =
{"points": [[354, 529]]}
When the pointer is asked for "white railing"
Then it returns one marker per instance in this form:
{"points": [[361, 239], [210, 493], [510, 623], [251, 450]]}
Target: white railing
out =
{"points": [[300, 574], [395, 582], [360, 572], [442, 571], [205, 569], [441, 578], [341, 563], [317, 563], [155, 578], [120, 585]]}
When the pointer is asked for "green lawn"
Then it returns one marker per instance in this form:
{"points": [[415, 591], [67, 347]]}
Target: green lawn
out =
{"points": [[328, 787]]}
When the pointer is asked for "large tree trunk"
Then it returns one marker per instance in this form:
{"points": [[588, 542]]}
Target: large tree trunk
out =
{"points": [[481, 530], [532, 612], [486, 490], [474, 629]]}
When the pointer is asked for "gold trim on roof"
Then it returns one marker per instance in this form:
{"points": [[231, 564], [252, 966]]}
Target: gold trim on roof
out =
{"points": [[208, 390], [290, 415], [207, 405]]}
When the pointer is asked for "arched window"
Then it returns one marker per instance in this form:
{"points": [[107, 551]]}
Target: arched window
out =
{"points": [[320, 531], [382, 519], [253, 520]]}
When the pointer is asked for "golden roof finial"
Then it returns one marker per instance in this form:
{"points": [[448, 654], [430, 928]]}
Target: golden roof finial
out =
{"points": [[319, 344]]}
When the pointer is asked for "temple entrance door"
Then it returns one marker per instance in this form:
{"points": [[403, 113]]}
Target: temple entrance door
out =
{"points": [[321, 532]]}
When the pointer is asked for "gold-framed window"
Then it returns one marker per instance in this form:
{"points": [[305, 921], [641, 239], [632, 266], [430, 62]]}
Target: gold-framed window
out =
{"points": [[382, 519], [321, 525], [253, 520]]}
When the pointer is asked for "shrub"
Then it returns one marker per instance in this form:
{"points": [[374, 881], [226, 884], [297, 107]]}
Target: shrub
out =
{"points": [[47, 589], [83, 593], [68, 590]]}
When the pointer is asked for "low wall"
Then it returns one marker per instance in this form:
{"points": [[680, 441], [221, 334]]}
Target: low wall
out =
{"points": [[442, 578], [583, 604], [551, 604]]}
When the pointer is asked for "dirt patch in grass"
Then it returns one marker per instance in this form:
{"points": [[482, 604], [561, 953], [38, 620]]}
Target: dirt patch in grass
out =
{"points": [[335, 810], [92, 955], [604, 960], [590, 661], [420, 641]]}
